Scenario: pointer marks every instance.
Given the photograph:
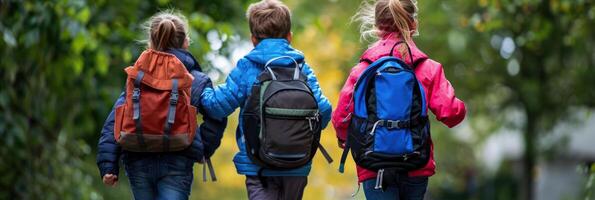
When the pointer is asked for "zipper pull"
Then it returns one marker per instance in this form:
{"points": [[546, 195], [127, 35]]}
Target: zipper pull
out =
{"points": [[379, 179], [346, 118], [350, 101], [310, 123]]}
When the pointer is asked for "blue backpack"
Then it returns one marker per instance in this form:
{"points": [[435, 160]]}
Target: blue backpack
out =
{"points": [[389, 128]]}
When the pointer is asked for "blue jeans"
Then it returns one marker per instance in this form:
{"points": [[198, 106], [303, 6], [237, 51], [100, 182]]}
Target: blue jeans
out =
{"points": [[159, 176], [403, 188]]}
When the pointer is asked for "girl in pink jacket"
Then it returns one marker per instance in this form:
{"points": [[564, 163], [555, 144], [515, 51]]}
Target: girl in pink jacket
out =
{"points": [[393, 21]]}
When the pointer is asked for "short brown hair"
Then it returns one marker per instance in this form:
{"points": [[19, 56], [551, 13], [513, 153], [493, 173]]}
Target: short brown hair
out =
{"points": [[269, 19]]}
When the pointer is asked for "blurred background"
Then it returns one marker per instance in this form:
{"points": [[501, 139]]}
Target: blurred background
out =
{"points": [[525, 69]]}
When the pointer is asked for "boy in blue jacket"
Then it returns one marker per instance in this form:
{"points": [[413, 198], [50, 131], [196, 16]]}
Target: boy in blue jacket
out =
{"points": [[270, 25]]}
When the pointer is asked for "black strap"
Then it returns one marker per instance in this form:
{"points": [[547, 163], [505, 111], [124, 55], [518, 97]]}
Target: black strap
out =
{"points": [[325, 154], [207, 163], [211, 169], [136, 109], [366, 60], [401, 124], [408, 49], [171, 114], [262, 179], [344, 156], [391, 54], [204, 169]]}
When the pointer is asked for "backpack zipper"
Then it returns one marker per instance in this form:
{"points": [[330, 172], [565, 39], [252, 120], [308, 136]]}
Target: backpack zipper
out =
{"points": [[315, 117]]}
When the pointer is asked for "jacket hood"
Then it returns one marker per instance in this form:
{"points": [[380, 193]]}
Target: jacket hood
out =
{"points": [[383, 46], [186, 58], [271, 48]]}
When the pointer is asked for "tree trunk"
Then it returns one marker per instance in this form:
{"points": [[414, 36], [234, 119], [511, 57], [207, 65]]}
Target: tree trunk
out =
{"points": [[529, 158]]}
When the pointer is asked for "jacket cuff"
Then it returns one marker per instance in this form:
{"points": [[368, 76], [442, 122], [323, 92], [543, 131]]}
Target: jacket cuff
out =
{"points": [[108, 168]]}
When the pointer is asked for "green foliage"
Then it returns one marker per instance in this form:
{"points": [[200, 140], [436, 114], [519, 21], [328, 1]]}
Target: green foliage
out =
{"points": [[61, 70], [61, 67], [542, 56]]}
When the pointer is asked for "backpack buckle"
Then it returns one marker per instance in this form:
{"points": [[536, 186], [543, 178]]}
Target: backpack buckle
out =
{"points": [[135, 94], [393, 124], [173, 100]]}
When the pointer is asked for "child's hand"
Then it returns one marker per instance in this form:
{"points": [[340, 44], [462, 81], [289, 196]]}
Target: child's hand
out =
{"points": [[110, 180]]}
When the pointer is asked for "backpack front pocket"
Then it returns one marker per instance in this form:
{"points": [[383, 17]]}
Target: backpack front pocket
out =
{"points": [[288, 133], [395, 141]]}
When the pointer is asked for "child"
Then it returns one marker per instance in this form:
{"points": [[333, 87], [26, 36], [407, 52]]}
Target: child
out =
{"points": [[270, 26], [162, 175], [395, 21]]}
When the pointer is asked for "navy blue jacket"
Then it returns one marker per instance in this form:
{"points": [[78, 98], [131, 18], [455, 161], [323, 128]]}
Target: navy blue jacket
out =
{"points": [[206, 141]]}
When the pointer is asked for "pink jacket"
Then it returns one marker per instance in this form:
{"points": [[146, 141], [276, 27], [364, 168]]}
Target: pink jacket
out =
{"points": [[439, 93]]}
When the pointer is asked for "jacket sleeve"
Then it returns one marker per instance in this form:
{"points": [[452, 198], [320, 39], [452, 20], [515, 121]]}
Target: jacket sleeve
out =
{"points": [[341, 115], [324, 105], [442, 100], [211, 130], [222, 100], [108, 151]]}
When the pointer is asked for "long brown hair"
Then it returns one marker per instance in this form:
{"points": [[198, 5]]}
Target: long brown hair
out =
{"points": [[381, 17], [166, 29]]}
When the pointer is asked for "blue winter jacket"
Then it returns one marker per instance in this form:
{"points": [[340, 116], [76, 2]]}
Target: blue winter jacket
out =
{"points": [[211, 131], [222, 100]]}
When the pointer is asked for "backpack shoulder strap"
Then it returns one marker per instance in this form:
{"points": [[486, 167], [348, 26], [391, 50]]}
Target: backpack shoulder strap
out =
{"points": [[368, 61]]}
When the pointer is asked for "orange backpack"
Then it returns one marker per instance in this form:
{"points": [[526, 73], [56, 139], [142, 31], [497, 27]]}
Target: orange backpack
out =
{"points": [[157, 115]]}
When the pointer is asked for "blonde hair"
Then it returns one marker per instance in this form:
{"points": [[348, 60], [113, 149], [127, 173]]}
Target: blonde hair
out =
{"points": [[382, 17], [269, 19], [165, 30]]}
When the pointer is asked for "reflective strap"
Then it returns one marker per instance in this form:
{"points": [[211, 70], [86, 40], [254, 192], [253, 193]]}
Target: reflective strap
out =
{"points": [[136, 109], [272, 73], [325, 154], [296, 71], [171, 114], [379, 122], [379, 179]]}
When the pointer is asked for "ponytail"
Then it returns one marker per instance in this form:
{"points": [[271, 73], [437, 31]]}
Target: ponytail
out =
{"points": [[167, 30], [403, 20], [383, 17], [164, 33]]}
